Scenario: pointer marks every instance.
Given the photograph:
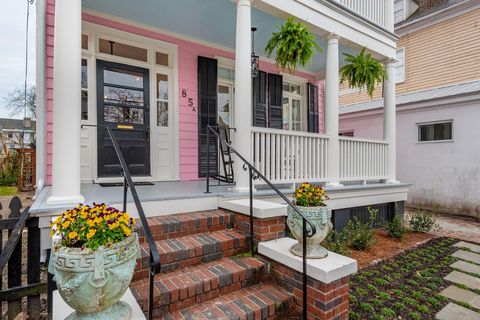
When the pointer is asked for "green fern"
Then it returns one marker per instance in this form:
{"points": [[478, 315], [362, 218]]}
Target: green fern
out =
{"points": [[362, 71], [293, 44]]}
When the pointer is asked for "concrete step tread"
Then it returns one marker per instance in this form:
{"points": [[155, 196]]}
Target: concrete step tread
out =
{"points": [[463, 279], [192, 284], [467, 255], [462, 295], [182, 224], [260, 302], [466, 266], [453, 311], [468, 245]]}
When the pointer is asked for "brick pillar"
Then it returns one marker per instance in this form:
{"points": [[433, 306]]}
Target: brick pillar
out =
{"points": [[325, 301], [264, 229]]}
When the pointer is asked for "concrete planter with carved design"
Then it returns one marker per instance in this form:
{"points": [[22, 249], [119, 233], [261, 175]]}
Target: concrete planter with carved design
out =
{"points": [[93, 283], [321, 219]]}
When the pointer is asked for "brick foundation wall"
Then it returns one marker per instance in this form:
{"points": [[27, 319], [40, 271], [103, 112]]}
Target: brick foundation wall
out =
{"points": [[263, 229], [325, 301]]}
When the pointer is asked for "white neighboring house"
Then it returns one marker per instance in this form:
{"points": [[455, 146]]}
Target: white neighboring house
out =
{"points": [[438, 106], [15, 130]]}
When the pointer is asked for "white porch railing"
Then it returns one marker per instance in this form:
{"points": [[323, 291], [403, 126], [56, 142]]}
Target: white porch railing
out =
{"points": [[373, 10], [289, 156], [363, 159]]}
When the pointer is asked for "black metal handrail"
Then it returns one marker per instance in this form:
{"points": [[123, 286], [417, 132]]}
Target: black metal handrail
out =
{"points": [[128, 183], [253, 175]]}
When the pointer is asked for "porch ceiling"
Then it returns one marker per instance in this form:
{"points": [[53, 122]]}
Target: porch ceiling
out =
{"points": [[208, 20]]}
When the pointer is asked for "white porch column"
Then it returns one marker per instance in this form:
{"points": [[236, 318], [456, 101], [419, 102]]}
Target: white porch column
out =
{"points": [[389, 15], [66, 104], [331, 111], [243, 91], [389, 118]]}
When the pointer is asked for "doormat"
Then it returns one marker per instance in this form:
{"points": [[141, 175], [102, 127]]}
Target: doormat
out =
{"points": [[120, 184]]}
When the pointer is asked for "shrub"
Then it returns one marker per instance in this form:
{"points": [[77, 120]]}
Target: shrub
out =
{"points": [[337, 242], [360, 236], [423, 221], [395, 228]]}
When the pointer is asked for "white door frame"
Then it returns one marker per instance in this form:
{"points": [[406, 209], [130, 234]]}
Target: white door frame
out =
{"points": [[94, 32]]}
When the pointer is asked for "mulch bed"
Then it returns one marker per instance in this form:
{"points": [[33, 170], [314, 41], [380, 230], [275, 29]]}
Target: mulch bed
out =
{"points": [[403, 287], [387, 247]]}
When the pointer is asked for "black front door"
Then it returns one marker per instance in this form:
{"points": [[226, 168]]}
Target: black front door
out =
{"points": [[123, 105]]}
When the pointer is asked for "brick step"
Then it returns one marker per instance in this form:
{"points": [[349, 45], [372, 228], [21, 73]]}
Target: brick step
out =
{"points": [[193, 285], [265, 301], [183, 224], [192, 250]]}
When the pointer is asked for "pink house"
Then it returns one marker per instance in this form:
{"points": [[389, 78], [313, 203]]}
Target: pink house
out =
{"points": [[158, 73]]}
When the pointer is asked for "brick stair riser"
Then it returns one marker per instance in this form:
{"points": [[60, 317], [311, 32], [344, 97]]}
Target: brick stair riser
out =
{"points": [[192, 253], [250, 303], [171, 227], [177, 291]]}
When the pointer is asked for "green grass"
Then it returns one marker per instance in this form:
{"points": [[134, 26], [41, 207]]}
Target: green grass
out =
{"points": [[7, 191]]}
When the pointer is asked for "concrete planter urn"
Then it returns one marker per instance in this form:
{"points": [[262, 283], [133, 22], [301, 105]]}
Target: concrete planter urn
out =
{"points": [[321, 219], [92, 282]]}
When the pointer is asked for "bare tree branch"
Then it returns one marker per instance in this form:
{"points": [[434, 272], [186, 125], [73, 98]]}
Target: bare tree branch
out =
{"points": [[15, 102]]}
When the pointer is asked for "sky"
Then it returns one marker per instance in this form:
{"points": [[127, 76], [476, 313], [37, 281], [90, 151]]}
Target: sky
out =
{"points": [[12, 49]]}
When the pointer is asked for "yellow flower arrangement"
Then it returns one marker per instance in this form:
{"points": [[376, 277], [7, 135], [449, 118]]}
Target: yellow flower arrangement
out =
{"points": [[92, 226], [309, 195]]}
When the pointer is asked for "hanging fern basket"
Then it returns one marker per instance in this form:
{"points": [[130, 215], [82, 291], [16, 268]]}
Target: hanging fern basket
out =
{"points": [[294, 45], [362, 71]]}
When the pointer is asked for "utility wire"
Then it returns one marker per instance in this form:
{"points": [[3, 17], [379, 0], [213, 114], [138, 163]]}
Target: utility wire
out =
{"points": [[29, 2]]}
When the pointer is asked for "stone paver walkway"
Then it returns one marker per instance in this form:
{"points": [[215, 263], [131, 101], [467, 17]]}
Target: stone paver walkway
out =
{"points": [[462, 228], [465, 287]]}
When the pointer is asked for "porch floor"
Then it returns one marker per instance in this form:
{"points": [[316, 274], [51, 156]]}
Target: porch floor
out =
{"points": [[181, 190]]}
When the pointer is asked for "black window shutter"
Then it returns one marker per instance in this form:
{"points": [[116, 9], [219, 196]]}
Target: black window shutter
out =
{"points": [[207, 114], [259, 88], [312, 98], [275, 97]]}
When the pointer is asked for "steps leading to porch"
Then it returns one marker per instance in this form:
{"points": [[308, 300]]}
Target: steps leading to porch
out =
{"points": [[206, 271]]}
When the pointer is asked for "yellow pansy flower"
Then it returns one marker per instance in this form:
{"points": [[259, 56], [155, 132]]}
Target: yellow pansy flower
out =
{"points": [[66, 224], [91, 233], [72, 234]]}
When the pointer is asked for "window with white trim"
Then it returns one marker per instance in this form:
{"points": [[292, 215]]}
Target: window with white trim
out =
{"points": [[400, 66], [435, 131], [292, 106], [398, 13]]}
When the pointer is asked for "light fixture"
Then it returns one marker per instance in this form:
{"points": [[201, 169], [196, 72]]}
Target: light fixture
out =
{"points": [[255, 58]]}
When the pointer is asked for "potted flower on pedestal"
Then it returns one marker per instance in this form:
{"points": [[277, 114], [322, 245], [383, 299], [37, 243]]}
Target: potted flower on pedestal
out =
{"points": [[310, 201], [93, 260]]}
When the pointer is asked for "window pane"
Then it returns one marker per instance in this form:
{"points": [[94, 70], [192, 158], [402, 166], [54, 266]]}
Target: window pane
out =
{"points": [[122, 50], [161, 59], [162, 86], [84, 105], [296, 115], [84, 41], [224, 104], [435, 132], [84, 89], [84, 74], [162, 114], [286, 87], [123, 78], [123, 115], [285, 116], [295, 89], [113, 95], [227, 74]]}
